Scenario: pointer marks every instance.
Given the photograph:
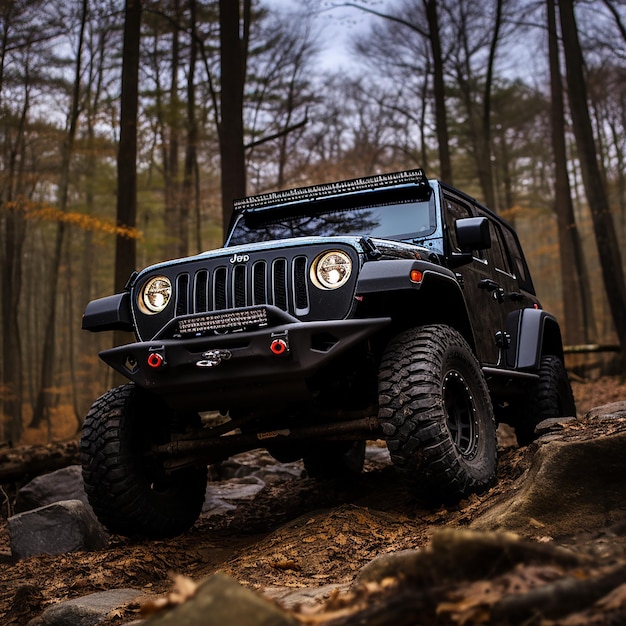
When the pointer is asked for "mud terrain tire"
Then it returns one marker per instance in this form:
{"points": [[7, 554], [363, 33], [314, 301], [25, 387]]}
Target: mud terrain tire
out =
{"points": [[550, 397], [126, 486], [436, 413]]}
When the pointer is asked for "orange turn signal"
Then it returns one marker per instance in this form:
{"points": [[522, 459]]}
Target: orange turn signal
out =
{"points": [[416, 276]]}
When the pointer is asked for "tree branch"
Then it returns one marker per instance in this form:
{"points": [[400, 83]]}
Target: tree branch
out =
{"points": [[387, 16], [282, 133]]}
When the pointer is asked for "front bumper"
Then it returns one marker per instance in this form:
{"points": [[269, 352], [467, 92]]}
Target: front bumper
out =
{"points": [[242, 369]]}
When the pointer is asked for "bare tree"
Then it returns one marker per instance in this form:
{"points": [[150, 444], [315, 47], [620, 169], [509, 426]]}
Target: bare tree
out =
{"points": [[190, 177], [125, 248], [476, 29], [280, 94], [441, 115], [406, 29], [44, 396], [576, 327], [604, 228], [235, 17]]}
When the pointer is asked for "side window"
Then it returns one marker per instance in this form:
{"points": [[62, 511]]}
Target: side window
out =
{"points": [[454, 211], [518, 263], [497, 254]]}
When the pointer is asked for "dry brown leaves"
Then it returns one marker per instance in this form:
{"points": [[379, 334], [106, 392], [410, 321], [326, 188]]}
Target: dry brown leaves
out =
{"points": [[183, 589]]}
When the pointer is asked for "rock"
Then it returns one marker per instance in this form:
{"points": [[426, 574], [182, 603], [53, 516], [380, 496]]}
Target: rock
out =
{"points": [[571, 485], [86, 611], [460, 554], [61, 527], [219, 601], [64, 484], [612, 410], [223, 497], [391, 565], [376, 455], [240, 478], [506, 437], [553, 424], [307, 597], [258, 463]]}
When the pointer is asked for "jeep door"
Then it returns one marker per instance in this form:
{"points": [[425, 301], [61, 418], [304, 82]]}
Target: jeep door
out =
{"points": [[507, 294], [480, 281]]}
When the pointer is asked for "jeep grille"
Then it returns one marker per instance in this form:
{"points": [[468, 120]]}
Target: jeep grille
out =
{"points": [[277, 277], [281, 282]]}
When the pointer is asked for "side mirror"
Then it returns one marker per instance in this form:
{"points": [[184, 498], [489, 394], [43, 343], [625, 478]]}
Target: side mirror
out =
{"points": [[472, 233]]}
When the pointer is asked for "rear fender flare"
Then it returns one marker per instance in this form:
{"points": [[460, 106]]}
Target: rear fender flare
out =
{"points": [[534, 333]]}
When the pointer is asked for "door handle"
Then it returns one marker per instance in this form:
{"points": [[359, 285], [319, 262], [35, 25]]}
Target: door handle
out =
{"points": [[488, 284], [492, 286]]}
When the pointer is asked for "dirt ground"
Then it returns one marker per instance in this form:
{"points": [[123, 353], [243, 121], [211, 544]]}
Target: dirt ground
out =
{"points": [[294, 534]]}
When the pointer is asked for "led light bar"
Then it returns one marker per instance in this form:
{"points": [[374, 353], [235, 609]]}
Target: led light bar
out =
{"points": [[416, 177], [228, 321]]}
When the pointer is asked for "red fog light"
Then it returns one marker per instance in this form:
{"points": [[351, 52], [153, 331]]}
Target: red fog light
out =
{"points": [[155, 360]]}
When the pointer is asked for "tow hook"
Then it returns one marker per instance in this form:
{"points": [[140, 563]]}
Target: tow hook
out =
{"points": [[156, 358], [213, 358], [280, 343]]}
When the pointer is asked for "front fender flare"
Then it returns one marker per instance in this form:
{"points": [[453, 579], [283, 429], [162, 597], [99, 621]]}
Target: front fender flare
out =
{"points": [[109, 313]]}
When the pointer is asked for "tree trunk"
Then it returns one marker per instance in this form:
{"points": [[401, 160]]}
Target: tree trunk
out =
{"points": [[233, 52], [171, 163], [485, 169], [441, 118], [10, 282], [125, 247], [11, 383], [44, 395], [192, 139], [571, 255], [604, 228]]}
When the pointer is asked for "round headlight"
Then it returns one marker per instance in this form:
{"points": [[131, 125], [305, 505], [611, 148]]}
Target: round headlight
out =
{"points": [[331, 269], [155, 295]]}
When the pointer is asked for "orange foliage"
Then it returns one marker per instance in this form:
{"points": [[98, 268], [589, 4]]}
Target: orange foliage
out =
{"points": [[41, 211]]}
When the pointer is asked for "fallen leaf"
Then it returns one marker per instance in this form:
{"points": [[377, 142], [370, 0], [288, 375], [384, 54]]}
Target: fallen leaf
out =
{"points": [[285, 565], [471, 604], [183, 589]]}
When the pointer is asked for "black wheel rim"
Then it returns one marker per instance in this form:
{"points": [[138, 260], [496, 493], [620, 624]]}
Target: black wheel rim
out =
{"points": [[460, 414]]}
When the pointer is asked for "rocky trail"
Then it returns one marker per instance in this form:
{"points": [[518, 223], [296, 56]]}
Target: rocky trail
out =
{"points": [[546, 545]]}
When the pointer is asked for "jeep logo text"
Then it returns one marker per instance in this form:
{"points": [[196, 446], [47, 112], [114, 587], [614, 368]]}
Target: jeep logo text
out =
{"points": [[239, 258]]}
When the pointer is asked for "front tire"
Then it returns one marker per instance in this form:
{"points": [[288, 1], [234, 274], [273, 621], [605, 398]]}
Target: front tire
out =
{"points": [[436, 413], [127, 486]]}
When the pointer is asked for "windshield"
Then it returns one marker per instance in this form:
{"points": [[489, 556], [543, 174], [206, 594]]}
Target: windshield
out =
{"points": [[402, 221]]}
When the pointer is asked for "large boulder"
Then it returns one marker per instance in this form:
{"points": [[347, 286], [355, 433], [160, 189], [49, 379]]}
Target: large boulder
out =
{"points": [[60, 527], [574, 481], [64, 484]]}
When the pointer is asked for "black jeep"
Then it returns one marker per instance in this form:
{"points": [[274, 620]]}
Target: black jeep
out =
{"points": [[388, 307]]}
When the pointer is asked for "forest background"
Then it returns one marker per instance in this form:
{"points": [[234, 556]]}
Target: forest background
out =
{"points": [[127, 128]]}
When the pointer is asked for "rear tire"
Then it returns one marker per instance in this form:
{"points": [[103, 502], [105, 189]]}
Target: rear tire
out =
{"points": [[550, 397], [126, 485], [436, 413]]}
